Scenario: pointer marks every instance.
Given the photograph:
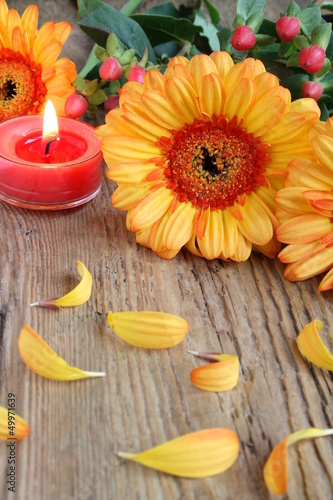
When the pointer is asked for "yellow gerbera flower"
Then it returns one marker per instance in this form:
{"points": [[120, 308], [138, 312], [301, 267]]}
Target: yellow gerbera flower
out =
{"points": [[199, 152], [30, 73], [307, 211]]}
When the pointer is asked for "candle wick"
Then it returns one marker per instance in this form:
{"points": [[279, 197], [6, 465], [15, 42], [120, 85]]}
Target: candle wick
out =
{"points": [[47, 149]]}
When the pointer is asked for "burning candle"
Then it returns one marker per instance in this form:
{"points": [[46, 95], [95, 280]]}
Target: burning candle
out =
{"points": [[48, 166]]}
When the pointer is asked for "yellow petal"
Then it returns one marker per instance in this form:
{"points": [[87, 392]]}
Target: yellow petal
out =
{"points": [[240, 99], [218, 376], [200, 66], [76, 297], [62, 31], [152, 208], [203, 453], [313, 348], [256, 225], [152, 330], [230, 232], [41, 359], [211, 243], [211, 95], [12, 426], [183, 97], [265, 114], [154, 80], [222, 61], [276, 467], [179, 227]]}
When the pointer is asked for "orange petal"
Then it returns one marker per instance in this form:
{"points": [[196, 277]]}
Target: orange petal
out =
{"points": [[313, 348], [203, 453], [12, 426], [276, 467], [218, 376], [79, 295], [41, 359], [148, 329]]}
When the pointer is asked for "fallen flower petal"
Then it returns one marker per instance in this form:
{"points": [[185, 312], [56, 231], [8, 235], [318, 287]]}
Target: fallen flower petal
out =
{"points": [[76, 297], [313, 348], [203, 453], [12, 426], [152, 330], [221, 375], [276, 467], [41, 359]]}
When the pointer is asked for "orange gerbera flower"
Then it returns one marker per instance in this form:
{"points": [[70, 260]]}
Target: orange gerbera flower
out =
{"points": [[307, 211], [199, 152], [30, 73]]}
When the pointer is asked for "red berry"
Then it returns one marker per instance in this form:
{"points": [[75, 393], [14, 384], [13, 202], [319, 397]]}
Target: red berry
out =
{"points": [[136, 74], [243, 38], [287, 28], [312, 89], [312, 58], [110, 70], [111, 102], [76, 105]]}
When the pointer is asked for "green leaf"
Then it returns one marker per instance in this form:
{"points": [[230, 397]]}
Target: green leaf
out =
{"points": [[293, 9], [293, 60], [268, 28], [286, 49], [213, 12], [264, 40], [255, 21], [327, 6], [248, 7], [325, 68], [209, 31], [321, 35], [324, 112], [309, 18], [327, 83], [239, 21], [301, 42], [224, 38], [97, 19], [269, 53], [98, 97], [165, 9], [161, 29], [131, 6], [294, 84]]}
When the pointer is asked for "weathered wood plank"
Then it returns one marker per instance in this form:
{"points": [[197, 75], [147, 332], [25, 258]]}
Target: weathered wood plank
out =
{"points": [[146, 398]]}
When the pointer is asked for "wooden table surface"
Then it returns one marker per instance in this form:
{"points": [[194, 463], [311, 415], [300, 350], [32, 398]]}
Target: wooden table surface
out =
{"points": [[147, 398]]}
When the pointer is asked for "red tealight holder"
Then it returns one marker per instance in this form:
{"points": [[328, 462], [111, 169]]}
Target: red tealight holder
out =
{"points": [[50, 170]]}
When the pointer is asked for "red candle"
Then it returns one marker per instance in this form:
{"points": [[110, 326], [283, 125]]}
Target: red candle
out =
{"points": [[61, 169]]}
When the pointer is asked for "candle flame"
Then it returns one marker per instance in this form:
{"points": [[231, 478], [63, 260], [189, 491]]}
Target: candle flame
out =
{"points": [[50, 127]]}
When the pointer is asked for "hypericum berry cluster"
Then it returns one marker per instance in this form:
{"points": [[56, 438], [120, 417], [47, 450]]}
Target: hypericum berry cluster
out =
{"points": [[311, 59], [287, 28], [312, 89], [76, 105], [243, 38], [110, 70]]}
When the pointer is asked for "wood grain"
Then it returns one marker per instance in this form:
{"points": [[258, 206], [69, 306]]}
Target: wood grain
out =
{"points": [[146, 398]]}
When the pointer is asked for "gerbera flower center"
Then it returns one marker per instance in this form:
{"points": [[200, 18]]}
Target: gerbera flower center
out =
{"points": [[213, 164], [21, 88]]}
